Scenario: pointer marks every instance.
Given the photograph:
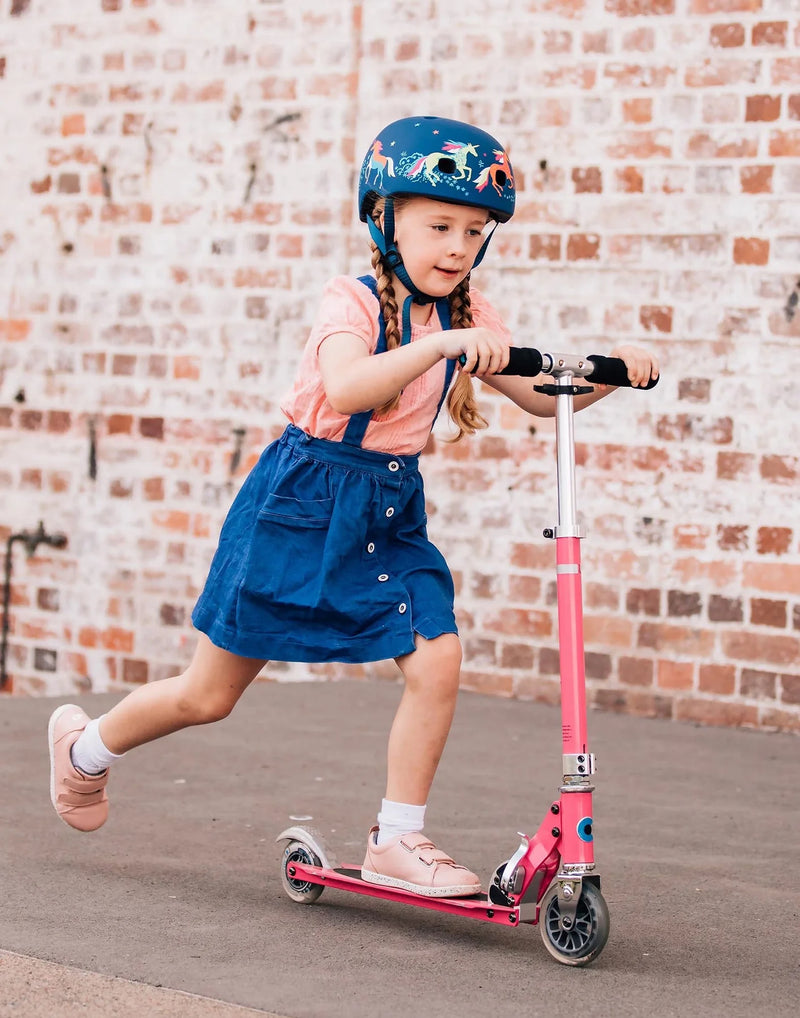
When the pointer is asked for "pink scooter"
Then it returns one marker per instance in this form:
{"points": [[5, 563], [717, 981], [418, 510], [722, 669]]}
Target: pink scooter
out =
{"points": [[550, 880]]}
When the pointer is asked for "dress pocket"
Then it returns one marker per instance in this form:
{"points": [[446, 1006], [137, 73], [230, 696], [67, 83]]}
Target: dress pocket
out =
{"points": [[297, 512]]}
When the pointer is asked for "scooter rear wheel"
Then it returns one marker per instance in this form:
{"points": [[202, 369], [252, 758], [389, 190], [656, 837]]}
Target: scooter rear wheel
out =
{"points": [[587, 937], [298, 889]]}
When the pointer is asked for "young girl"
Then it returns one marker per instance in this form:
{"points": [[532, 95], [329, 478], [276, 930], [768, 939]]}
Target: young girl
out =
{"points": [[324, 555]]}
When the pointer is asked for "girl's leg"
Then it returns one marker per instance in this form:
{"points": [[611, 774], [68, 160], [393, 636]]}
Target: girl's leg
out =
{"points": [[422, 722], [207, 691], [403, 856]]}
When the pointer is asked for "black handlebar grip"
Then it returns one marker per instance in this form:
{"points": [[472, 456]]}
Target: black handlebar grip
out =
{"points": [[612, 371], [522, 360]]}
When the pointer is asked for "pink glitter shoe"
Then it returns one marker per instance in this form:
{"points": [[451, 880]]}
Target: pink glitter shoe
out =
{"points": [[414, 863], [79, 799]]}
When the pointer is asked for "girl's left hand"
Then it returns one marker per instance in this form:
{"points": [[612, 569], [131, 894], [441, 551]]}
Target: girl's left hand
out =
{"points": [[641, 365]]}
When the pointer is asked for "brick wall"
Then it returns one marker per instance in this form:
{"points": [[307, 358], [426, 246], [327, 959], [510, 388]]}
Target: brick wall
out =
{"points": [[177, 187]]}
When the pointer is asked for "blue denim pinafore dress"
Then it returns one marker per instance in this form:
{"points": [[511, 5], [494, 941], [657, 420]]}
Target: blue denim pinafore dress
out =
{"points": [[324, 554]]}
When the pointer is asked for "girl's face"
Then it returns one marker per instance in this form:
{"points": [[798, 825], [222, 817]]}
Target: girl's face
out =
{"points": [[439, 242]]}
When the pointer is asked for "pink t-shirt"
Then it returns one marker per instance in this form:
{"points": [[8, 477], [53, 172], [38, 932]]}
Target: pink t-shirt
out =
{"points": [[350, 306]]}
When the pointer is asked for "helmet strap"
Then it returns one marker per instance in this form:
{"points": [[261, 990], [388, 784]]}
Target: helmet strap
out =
{"points": [[484, 245], [384, 240]]}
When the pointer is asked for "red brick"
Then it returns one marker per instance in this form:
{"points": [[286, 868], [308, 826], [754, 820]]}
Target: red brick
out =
{"points": [[749, 646], [608, 631], [524, 588], [73, 123], [773, 540], [675, 675], [597, 666], [780, 468], [545, 247], [517, 656], [727, 36], [151, 427], [630, 180], [587, 180], [658, 319], [715, 712], [756, 179], [636, 671], [694, 390], [134, 671], [119, 424], [632, 701], [520, 622], [719, 679], [790, 688], [14, 330], [534, 687], [763, 107], [691, 535], [636, 8], [770, 33], [732, 466], [682, 603], [780, 720], [758, 685], [583, 247], [750, 251], [725, 609], [777, 578], [549, 661], [690, 642], [764, 612], [496, 683], [784, 143]]}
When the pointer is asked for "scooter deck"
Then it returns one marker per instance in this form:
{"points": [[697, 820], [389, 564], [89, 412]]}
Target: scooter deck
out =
{"points": [[348, 878]]}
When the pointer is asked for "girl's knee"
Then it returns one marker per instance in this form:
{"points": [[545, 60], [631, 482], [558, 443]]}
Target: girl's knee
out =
{"points": [[200, 705], [436, 666]]}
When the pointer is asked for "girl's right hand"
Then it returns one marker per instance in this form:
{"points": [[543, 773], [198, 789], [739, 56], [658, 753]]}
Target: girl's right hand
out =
{"points": [[485, 351]]}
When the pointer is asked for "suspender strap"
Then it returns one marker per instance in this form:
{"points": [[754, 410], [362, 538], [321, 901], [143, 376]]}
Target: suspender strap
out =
{"points": [[358, 423]]}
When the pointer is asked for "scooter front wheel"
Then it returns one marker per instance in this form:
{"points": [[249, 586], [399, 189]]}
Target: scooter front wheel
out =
{"points": [[586, 937], [298, 889]]}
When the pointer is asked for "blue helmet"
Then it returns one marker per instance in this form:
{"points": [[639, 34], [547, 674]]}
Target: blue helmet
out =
{"points": [[432, 157]]}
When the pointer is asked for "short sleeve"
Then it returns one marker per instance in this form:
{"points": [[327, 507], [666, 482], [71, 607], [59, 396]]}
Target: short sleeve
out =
{"points": [[485, 316], [346, 306]]}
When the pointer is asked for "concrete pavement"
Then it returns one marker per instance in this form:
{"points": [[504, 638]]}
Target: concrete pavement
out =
{"points": [[697, 836]]}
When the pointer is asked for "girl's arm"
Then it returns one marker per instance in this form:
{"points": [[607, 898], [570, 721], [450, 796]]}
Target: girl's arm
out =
{"points": [[642, 366], [355, 380]]}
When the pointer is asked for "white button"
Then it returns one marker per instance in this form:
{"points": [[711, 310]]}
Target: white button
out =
{"points": [[370, 548], [394, 465], [383, 577], [403, 608], [390, 511]]}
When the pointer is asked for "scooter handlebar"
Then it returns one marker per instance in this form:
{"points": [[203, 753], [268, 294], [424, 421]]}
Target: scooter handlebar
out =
{"points": [[528, 362], [612, 371]]}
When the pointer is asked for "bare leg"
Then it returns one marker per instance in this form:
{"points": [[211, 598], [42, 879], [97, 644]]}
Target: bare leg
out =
{"points": [[207, 691], [423, 718]]}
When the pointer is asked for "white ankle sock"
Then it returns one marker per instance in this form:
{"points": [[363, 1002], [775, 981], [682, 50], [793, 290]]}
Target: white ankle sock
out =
{"points": [[90, 754], [398, 818]]}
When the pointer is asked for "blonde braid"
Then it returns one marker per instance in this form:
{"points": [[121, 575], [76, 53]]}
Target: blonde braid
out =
{"points": [[462, 404], [388, 303]]}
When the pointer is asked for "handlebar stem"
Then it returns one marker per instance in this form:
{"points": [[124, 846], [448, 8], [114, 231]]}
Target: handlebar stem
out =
{"points": [[560, 365], [565, 460]]}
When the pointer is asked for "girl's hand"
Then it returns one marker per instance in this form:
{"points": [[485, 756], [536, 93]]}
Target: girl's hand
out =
{"points": [[486, 352], [641, 365]]}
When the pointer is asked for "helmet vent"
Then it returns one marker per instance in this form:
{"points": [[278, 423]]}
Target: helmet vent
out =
{"points": [[446, 165], [501, 178]]}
